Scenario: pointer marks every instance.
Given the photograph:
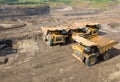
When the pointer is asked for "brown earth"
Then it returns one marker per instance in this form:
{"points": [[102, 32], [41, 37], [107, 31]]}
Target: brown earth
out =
{"points": [[37, 62]]}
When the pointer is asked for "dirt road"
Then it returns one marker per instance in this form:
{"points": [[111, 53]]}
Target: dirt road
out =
{"points": [[37, 62]]}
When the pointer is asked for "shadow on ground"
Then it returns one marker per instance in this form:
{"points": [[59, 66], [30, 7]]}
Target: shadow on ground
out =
{"points": [[6, 49], [113, 53], [102, 33]]}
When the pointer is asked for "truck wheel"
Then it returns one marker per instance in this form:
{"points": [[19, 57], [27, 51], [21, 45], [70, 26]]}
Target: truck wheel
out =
{"points": [[64, 42], [72, 40], [106, 56], [50, 42], [44, 38], [91, 60]]}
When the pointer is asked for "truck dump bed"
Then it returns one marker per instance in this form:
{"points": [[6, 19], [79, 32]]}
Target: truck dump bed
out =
{"points": [[46, 29], [83, 40], [82, 24], [103, 43]]}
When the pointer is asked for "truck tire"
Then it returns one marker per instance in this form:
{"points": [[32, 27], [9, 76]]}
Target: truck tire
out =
{"points": [[106, 56], [71, 40], [64, 42], [91, 60], [50, 42], [44, 38]]}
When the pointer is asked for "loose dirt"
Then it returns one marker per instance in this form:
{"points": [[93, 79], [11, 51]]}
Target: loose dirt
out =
{"points": [[37, 62]]}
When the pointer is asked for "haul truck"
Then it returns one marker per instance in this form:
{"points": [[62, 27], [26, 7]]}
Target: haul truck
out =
{"points": [[87, 31], [88, 51], [54, 35]]}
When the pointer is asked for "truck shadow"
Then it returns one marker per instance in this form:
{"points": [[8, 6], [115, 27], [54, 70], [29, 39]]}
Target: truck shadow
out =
{"points": [[102, 33], [113, 53]]}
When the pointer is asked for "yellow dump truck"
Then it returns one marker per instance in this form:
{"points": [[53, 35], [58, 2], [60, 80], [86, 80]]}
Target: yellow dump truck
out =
{"points": [[88, 51], [54, 35], [87, 31]]}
